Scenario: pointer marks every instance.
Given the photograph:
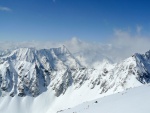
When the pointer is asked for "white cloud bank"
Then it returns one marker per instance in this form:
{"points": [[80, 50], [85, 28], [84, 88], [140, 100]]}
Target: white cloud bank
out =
{"points": [[122, 45], [125, 43]]}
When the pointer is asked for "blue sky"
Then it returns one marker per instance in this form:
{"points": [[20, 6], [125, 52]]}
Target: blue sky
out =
{"points": [[59, 20]]}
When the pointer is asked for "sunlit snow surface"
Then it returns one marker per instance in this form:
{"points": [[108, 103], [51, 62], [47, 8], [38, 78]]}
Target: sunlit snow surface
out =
{"points": [[134, 100]]}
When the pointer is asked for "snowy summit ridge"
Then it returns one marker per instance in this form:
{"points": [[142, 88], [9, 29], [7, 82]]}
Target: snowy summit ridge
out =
{"points": [[26, 71]]}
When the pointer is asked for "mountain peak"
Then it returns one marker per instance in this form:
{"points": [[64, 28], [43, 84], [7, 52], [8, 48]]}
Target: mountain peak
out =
{"points": [[61, 50]]}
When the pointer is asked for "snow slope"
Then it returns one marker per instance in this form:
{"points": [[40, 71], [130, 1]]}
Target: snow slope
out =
{"points": [[134, 100]]}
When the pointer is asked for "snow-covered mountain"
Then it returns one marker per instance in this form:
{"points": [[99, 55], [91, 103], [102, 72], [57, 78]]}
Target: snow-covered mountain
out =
{"points": [[57, 80], [27, 71]]}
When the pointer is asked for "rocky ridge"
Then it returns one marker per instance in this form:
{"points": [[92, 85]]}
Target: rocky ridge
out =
{"points": [[30, 72]]}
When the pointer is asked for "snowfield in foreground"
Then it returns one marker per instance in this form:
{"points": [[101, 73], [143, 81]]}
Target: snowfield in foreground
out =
{"points": [[134, 100]]}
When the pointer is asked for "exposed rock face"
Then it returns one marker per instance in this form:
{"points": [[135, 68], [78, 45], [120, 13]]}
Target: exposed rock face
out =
{"points": [[29, 72]]}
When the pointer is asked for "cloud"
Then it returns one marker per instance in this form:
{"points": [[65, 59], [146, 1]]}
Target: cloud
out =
{"points": [[87, 53], [138, 29], [5, 9], [123, 45]]}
